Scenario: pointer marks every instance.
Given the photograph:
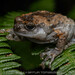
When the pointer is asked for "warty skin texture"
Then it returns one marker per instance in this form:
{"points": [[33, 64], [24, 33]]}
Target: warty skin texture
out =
{"points": [[45, 27]]}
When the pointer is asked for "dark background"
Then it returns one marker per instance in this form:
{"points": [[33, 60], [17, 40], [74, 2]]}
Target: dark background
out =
{"points": [[61, 6]]}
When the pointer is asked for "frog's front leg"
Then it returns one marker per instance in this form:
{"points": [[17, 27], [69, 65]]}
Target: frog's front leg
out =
{"points": [[11, 35], [52, 53]]}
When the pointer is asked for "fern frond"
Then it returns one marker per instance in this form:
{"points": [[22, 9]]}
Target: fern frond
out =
{"points": [[3, 39], [6, 58], [8, 19], [65, 61]]}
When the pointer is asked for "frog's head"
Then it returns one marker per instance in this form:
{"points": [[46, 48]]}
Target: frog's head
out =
{"points": [[33, 27]]}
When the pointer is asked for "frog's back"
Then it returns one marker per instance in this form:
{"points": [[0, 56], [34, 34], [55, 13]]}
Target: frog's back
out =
{"points": [[45, 17]]}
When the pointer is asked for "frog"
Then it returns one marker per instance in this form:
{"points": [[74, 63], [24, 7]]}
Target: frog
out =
{"points": [[45, 27]]}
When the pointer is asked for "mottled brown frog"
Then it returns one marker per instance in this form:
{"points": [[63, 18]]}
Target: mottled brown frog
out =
{"points": [[44, 27]]}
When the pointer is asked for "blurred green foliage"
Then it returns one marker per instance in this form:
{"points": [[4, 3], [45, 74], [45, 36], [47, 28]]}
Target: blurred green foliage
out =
{"points": [[71, 14], [43, 5], [7, 21]]}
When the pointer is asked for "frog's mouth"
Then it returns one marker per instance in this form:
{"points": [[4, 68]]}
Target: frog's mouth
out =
{"points": [[40, 34], [25, 35], [32, 38]]}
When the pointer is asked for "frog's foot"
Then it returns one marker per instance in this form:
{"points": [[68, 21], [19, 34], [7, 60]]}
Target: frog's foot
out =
{"points": [[12, 37], [50, 55]]}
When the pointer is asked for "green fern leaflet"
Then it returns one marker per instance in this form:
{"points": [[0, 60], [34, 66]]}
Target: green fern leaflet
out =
{"points": [[7, 57]]}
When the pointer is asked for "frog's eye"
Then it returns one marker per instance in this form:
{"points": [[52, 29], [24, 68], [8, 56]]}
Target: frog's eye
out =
{"points": [[29, 27]]}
